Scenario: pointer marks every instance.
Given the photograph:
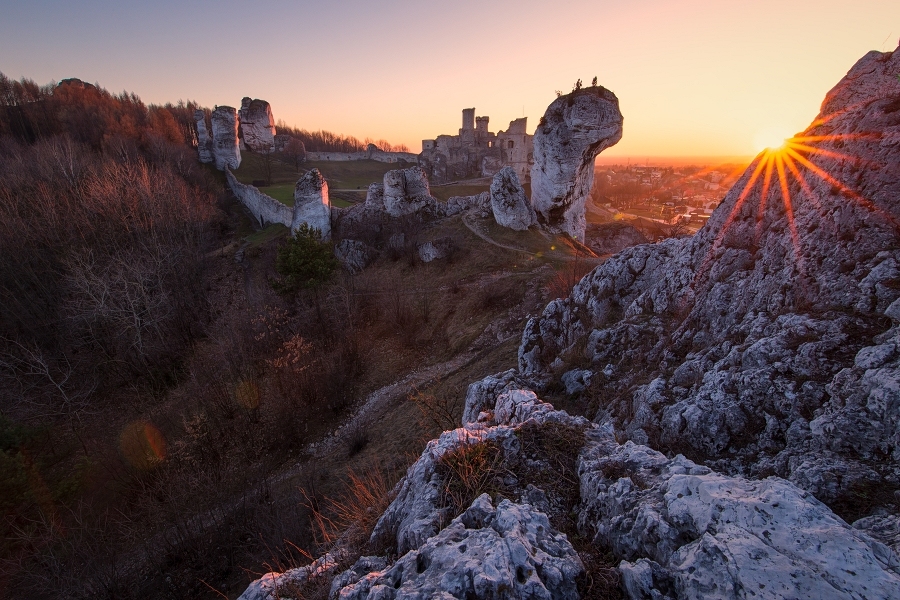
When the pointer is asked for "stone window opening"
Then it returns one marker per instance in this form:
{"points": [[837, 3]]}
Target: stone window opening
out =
{"points": [[510, 144]]}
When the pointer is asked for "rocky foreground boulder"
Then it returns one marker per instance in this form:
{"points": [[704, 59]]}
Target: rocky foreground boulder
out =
{"points": [[679, 529], [767, 344], [575, 128]]}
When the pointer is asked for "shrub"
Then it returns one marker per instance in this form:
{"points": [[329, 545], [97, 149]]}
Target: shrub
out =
{"points": [[305, 261]]}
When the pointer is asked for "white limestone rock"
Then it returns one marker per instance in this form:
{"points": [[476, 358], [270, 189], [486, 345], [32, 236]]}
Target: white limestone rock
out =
{"points": [[257, 125], [406, 191], [204, 139], [311, 203], [510, 551], [508, 202], [691, 533], [575, 128], [225, 138]]}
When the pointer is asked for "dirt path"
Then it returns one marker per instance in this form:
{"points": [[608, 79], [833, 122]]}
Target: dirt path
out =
{"points": [[474, 229]]}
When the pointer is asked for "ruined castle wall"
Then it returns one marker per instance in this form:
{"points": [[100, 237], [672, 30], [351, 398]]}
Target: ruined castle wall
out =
{"points": [[265, 209], [385, 157]]}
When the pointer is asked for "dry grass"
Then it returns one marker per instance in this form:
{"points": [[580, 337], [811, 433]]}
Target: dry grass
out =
{"points": [[468, 472]]}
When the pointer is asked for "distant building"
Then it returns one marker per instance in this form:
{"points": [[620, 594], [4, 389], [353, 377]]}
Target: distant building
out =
{"points": [[477, 152]]}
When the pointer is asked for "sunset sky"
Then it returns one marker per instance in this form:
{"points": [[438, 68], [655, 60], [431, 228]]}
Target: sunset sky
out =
{"points": [[693, 77]]}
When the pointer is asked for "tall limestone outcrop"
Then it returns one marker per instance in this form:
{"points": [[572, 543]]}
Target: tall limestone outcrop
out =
{"points": [[769, 342], [508, 202], [226, 151], [573, 131], [204, 139], [311, 203], [257, 125]]}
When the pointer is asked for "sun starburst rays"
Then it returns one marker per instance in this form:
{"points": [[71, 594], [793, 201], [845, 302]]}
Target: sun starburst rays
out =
{"points": [[792, 163]]}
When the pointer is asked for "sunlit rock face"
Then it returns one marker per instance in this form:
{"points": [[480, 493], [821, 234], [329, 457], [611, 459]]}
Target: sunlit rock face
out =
{"points": [[225, 138], [257, 125], [767, 343], [204, 139], [508, 202], [406, 191], [573, 131], [311, 203]]}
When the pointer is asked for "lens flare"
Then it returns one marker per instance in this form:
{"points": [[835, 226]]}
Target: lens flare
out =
{"points": [[142, 445]]}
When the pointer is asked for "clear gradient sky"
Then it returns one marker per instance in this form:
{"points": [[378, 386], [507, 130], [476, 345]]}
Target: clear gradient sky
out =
{"points": [[693, 77]]}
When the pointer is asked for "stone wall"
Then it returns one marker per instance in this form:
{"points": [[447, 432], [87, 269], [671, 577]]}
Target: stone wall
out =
{"points": [[265, 209], [371, 154]]}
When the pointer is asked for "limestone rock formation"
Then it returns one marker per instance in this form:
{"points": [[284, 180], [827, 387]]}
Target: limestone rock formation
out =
{"points": [[508, 202], [573, 131], [311, 203], [226, 151], [610, 238], [257, 125], [406, 191], [204, 139], [768, 342]]}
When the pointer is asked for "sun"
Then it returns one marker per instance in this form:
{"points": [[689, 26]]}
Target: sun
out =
{"points": [[770, 138]]}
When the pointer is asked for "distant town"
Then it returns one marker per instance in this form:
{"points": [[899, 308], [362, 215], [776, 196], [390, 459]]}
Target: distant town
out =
{"points": [[669, 195]]}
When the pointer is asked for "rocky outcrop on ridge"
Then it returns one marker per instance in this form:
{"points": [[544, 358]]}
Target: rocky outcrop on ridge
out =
{"points": [[257, 125], [610, 238], [204, 139], [573, 131], [311, 203], [226, 151], [769, 342], [508, 202]]}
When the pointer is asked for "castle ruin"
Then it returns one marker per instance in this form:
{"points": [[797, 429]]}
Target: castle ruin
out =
{"points": [[477, 152]]}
